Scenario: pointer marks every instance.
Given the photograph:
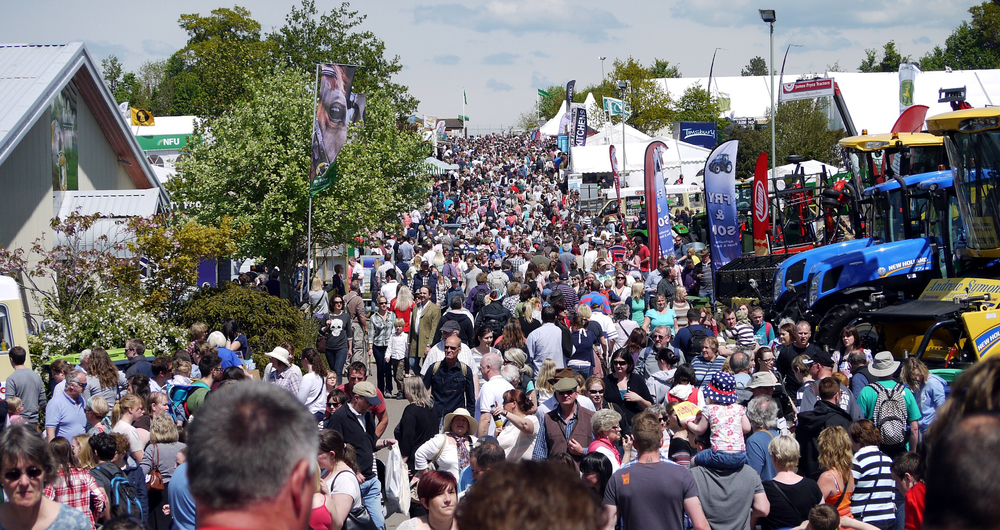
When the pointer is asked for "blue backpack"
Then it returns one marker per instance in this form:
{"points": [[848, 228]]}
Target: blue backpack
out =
{"points": [[123, 497], [178, 396]]}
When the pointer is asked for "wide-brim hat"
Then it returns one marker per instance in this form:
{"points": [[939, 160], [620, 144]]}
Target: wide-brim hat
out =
{"points": [[722, 388], [280, 354], [460, 413], [565, 384], [763, 379], [883, 365]]}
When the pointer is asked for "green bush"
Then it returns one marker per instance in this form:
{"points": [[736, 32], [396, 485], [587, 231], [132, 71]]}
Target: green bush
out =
{"points": [[267, 321]]}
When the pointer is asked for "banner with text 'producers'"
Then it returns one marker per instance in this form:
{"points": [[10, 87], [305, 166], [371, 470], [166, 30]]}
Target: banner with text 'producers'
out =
{"points": [[720, 192]]}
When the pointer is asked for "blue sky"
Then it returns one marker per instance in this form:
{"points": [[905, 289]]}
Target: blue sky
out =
{"points": [[500, 51]]}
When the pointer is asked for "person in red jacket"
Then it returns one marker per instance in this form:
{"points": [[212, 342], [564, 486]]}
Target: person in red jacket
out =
{"points": [[905, 471]]}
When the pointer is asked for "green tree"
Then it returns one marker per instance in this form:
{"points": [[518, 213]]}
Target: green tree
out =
{"points": [[111, 71], [756, 66], [549, 106], [888, 61], [661, 69], [309, 38], [753, 142], [973, 45], [224, 52], [648, 101], [256, 167]]}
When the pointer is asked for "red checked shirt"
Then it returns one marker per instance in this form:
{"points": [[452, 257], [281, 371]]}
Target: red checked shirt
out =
{"points": [[81, 493]]}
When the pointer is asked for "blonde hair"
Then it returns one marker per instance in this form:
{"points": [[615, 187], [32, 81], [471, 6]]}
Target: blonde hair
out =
{"points": [[399, 323], [317, 284], [911, 368], [785, 451], [414, 389], [637, 290], [126, 403], [546, 372], [99, 406], [836, 453], [13, 403], [182, 367], [584, 311], [163, 430], [680, 294], [404, 298], [198, 330], [86, 456]]}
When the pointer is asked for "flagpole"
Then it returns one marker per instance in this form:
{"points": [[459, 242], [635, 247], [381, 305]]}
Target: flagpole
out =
{"points": [[310, 221], [464, 135]]}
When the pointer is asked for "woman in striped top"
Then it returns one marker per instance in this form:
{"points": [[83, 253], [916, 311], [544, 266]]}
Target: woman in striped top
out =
{"points": [[874, 490]]}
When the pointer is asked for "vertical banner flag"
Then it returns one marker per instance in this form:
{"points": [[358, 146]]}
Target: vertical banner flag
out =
{"points": [[907, 76], [580, 128], [761, 208], [720, 191], [358, 104], [617, 177], [333, 98], [658, 224], [570, 89]]}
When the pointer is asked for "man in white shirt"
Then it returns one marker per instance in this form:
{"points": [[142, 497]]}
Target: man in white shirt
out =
{"points": [[491, 395]]}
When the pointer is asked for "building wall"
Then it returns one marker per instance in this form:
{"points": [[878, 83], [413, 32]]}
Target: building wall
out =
{"points": [[26, 188], [99, 165]]}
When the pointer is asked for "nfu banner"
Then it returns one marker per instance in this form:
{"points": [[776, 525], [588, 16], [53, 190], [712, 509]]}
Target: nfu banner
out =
{"points": [[761, 208], [720, 191], [811, 89], [659, 226]]}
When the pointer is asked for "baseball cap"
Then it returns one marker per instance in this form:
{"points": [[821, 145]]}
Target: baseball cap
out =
{"points": [[565, 384], [367, 391], [563, 276], [450, 327], [823, 359]]}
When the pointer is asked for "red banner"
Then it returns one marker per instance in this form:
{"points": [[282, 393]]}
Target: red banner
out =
{"points": [[761, 208]]}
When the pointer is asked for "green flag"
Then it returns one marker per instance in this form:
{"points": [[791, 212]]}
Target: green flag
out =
{"points": [[463, 118], [327, 177], [465, 96], [544, 94]]}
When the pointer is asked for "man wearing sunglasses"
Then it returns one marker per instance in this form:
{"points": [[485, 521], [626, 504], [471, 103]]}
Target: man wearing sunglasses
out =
{"points": [[64, 414]]}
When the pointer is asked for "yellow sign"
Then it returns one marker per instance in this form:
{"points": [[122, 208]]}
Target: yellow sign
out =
{"points": [[952, 288], [686, 411], [142, 117], [984, 329]]}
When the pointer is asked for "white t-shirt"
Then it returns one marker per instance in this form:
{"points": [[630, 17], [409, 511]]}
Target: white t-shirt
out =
{"points": [[491, 395], [611, 458], [516, 444], [345, 483], [134, 443], [312, 392]]}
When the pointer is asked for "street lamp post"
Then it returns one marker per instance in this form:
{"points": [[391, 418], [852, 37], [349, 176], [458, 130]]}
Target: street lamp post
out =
{"points": [[781, 76], [768, 16], [710, 68], [622, 88], [602, 58]]}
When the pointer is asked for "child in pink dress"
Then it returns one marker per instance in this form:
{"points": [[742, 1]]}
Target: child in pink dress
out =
{"points": [[728, 421]]}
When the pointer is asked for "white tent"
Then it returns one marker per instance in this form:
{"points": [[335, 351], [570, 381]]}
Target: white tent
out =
{"points": [[551, 127], [612, 134], [810, 167], [680, 159], [872, 98]]}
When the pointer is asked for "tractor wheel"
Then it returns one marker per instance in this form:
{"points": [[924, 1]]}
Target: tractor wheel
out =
{"points": [[830, 327], [729, 167]]}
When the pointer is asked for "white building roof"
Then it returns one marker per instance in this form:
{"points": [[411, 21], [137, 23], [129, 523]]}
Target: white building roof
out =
{"points": [[32, 75]]}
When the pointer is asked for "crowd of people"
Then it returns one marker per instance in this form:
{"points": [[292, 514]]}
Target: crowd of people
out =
{"points": [[555, 374]]}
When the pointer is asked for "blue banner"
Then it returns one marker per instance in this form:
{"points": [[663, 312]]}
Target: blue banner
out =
{"points": [[562, 141], [661, 242], [720, 194], [580, 128], [701, 133]]}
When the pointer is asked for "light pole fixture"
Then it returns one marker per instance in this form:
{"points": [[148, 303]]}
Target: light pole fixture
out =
{"points": [[622, 88], [781, 75], [710, 68], [768, 16], [602, 58]]}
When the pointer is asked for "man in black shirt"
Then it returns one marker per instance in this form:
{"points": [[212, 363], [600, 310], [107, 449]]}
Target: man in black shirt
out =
{"points": [[801, 346], [450, 381]]}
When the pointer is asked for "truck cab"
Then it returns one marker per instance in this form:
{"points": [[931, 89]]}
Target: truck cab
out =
{"points": [[13, 327]]}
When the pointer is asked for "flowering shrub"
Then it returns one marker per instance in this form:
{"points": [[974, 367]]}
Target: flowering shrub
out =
{"points": [[109, 321]]}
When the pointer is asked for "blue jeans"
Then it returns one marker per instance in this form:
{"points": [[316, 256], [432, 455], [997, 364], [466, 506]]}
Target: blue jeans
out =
{"points": [[720, 459], [336, 359], [371, 490], [585, 371]]}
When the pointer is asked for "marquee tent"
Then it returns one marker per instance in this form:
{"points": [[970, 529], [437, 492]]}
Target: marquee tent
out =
{"points": [[680, 159]]}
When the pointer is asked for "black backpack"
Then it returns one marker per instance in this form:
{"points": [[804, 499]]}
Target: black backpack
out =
{"points": [[695, 342], [494, 317], [480, 301], [123, 498]]}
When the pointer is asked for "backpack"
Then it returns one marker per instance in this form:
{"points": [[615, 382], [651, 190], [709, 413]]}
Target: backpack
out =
{"points": [[494, 319], [434, 369], [694, 342], [890, 414], [177, 396], [479, 301], [122, 495]]}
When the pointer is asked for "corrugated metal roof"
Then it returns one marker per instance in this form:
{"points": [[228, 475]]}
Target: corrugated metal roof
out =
{"points": [[110, 203], [29, 74]]}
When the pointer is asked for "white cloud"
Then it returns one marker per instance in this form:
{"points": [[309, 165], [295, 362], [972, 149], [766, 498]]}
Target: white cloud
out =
{"points": [[520, 17], [498, 86]]}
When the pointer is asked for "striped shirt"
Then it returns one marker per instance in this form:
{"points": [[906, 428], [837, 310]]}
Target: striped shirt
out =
{"points": [[874, 488]]}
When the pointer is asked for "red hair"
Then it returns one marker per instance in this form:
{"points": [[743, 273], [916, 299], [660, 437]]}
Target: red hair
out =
{"points": [[434, 483]]}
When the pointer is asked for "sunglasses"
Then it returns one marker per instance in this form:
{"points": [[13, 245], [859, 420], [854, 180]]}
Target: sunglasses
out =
{"points": [[79, 384], [334, 404], [15, 474], [620, 363], [338, 301], [450, 348], [598, 391]]}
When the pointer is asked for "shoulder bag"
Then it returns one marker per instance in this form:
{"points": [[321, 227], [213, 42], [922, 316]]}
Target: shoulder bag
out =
{"points": [[155, 481]]}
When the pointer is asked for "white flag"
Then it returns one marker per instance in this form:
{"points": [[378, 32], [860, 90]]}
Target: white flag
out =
{"points": [[123, 108]]}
